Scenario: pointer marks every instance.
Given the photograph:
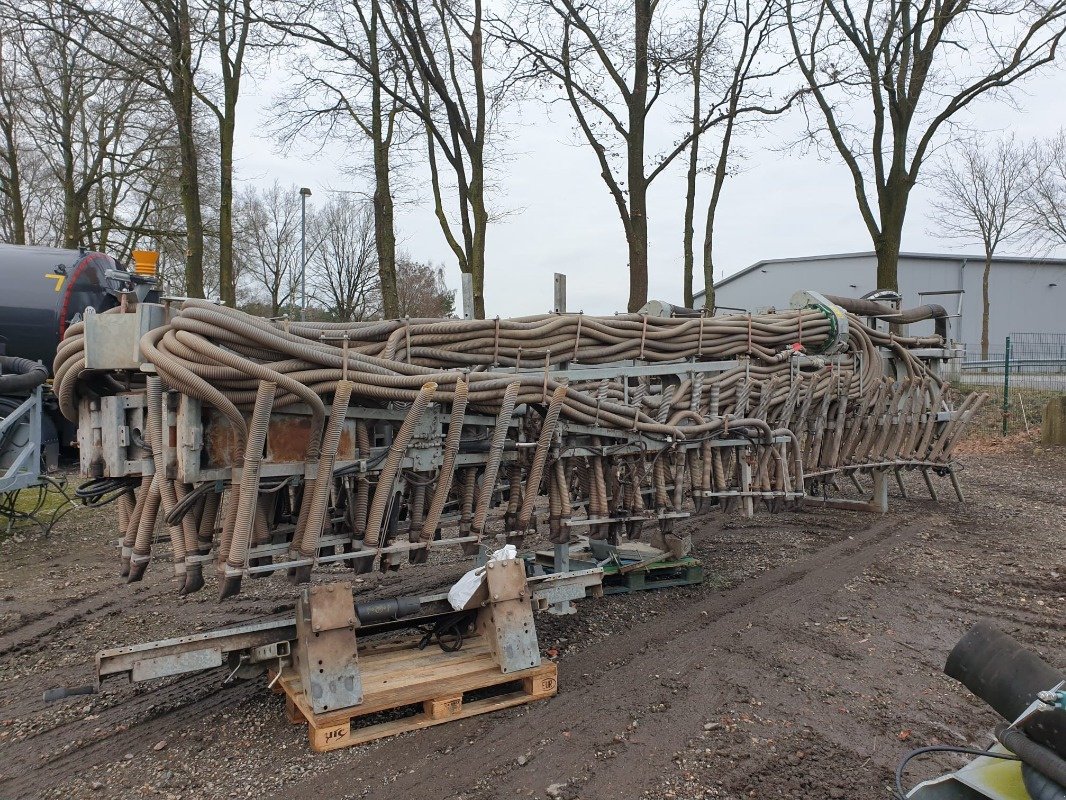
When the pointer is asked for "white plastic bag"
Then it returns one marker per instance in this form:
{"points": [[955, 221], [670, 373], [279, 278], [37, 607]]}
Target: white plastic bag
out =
{"points": [[459, 595], [504, 553]]}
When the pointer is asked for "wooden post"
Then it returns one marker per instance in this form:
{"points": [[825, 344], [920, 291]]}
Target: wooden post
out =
{"points": [[1054, 427]]}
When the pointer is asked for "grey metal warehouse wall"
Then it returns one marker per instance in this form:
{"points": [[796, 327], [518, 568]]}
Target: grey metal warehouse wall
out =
{"points": [[1026, 296]]}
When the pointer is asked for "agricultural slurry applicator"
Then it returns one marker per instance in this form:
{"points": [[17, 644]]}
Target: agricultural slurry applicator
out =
{"points": [[280, 446], [275, 445]]}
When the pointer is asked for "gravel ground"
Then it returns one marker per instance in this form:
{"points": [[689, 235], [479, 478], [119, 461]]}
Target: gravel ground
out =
{"points": [[808, 661]]}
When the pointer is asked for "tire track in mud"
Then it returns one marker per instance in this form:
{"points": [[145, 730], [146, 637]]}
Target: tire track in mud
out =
{"points": [[675, 660], [122, 719], [37, 632], [123, 727]]}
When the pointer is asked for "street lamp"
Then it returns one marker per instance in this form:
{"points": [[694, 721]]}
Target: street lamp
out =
{"points": [[304, 194]]}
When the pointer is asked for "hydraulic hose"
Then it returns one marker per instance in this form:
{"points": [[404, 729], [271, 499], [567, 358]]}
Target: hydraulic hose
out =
{"points": [[324, 478], [248, 494], [383, 492], [18, 375]]}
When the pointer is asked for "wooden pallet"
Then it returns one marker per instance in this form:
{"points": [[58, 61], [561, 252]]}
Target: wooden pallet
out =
{"points": [[398, 674], [659, 575], [632, 576]]}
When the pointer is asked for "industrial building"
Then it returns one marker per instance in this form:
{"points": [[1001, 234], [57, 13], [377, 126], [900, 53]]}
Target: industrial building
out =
{"points": [[1027, 294]]}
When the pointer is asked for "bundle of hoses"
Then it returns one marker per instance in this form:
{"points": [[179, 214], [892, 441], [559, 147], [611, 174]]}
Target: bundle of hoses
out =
{"points": [[831, 414]]}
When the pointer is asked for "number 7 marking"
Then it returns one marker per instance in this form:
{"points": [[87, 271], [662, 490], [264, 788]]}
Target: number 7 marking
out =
{"points": [[57, 278]]}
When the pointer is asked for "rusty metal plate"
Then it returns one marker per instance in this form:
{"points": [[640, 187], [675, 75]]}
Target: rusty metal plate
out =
{"points": [[506, 580], [287, 437], [513, 635], [222, 444], [332, 607]]}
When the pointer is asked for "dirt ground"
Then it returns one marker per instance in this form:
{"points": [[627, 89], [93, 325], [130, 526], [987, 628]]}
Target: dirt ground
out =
{"points": [[804, 666]]}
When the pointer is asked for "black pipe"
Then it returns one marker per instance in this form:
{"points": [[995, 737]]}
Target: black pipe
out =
{"points": [[1008, 677], [20, 375], [1040, 758], [999, 670], [387, 610], [871, 308]]}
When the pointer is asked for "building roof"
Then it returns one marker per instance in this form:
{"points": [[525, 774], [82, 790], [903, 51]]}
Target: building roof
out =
{"points": [[1051, 262]]}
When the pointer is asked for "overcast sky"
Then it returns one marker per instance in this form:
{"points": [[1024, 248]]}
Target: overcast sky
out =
{"points": [[560, 218]]}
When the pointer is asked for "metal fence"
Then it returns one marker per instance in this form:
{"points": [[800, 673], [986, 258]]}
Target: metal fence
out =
{"points": [[1024, 372]]}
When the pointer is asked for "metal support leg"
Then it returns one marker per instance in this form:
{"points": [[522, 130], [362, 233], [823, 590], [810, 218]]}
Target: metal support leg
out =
{"points": [[955, 485], [899, 483], [747, 502], [879, 501], [929, 485], [562, 566]]}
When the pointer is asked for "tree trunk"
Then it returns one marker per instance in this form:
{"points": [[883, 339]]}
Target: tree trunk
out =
{"points": [[708, 264], [181, 97], [693, 163], [720, 172], [690, 212], [385, 231], [227, 283], [985, 304], [638, 248], [384, 213], [638, 185], [477, 252], [12, 184]]}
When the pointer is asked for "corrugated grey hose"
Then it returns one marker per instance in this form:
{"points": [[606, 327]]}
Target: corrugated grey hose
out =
{"points": [[316, 515], [248, 493], [133, 524], [536, 470], [492, 465], [447, 472], [167, 496], [383, 492]]}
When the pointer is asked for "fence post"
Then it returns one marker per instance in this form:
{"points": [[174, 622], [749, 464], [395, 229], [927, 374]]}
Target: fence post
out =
{"points": [[1006, 385]]}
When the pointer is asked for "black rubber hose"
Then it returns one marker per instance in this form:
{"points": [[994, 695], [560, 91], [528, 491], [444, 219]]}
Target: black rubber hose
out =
{"points": [[1040, 786], [1042, 759], [871, 308], [21, 374], [999, 670]]}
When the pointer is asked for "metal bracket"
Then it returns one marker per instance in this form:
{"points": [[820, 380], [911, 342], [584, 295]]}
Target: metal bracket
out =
{"points": [[326, 657], [507, 621]]}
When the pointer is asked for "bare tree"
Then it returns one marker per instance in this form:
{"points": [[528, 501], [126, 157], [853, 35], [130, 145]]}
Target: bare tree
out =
{"points": [[1046, 201], [267, 244], [12, 100], [614, 63], [350, 80], [343, 268], [151, 44], [423, 290], [981, 195], [734, 69], [227, 24], [441, 44], [886, 78]]}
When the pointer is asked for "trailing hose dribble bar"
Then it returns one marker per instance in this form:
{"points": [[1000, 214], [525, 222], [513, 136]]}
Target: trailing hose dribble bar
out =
{"points": [[277, 445]]}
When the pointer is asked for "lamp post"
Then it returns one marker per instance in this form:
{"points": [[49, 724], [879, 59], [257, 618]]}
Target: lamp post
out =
{"points": [[304, 194]]}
